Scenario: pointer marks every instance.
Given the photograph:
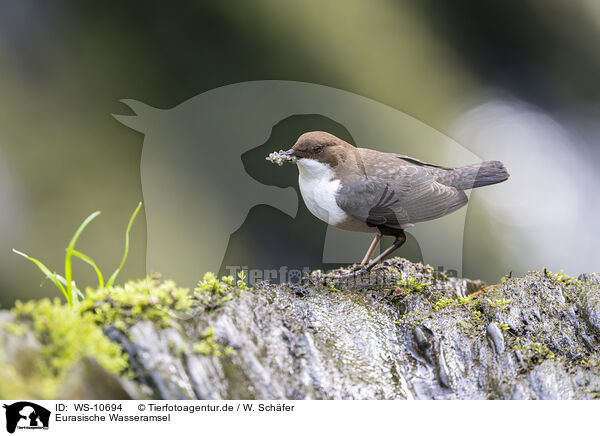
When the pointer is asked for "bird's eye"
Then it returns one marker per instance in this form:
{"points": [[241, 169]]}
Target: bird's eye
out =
{"points": [[317, 148]]}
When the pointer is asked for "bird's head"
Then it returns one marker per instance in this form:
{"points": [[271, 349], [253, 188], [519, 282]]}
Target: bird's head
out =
{"points": [[321, 147]]}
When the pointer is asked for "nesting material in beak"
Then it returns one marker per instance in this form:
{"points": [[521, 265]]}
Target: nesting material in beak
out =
{"points": [[279, 157]]}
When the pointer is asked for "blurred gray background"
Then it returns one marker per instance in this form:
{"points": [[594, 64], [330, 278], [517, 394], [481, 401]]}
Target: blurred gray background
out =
{"points": [[515, 81]]}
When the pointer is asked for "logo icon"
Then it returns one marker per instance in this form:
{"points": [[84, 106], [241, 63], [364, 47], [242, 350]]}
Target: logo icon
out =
{"points": [[26, 415]]}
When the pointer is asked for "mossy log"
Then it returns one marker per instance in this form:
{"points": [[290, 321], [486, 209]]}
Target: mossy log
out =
{"points": [[402, 331]]}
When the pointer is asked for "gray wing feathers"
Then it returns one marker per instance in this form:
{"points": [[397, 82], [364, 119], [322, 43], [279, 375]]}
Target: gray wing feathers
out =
{"points": [[398, 196], [466, 177]]}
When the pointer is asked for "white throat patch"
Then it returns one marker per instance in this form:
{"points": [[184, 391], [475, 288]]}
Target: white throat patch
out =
{"points": [[318, 190]]}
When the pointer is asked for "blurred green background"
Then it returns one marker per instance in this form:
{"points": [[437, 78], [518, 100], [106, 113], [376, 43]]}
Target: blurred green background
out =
{"points": [[66, 64]]}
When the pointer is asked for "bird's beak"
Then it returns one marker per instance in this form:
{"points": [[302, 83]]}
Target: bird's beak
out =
{"points": [[290, 156]]}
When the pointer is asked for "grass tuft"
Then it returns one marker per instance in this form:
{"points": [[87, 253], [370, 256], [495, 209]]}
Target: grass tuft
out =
{"points": [[66, 284]]}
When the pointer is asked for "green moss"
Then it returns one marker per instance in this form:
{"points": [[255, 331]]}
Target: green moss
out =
{"points": [[411, 319], [592, 361], [503, 326], [15, 384], [211, 292], [163, 303], [533, 352], [207, 345], [405, 286], [410, 284], [561, 278], [506, 277], [65, 336], [146, 299], [444, 302], [595, 393], [13, 328], [332, 288], [498, 303]]}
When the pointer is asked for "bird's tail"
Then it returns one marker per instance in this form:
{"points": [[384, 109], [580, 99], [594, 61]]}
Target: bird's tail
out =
{"points": [[476, 175]]}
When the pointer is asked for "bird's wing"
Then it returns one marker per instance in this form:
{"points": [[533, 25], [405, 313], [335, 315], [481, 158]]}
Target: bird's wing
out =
{"points": [[398, 195], [420, 162]]}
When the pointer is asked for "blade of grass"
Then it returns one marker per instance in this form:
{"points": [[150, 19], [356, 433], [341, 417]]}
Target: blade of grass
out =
{"points": [[68, 270], [90, 262], [47, 273], [77, 293], [61, 279], [77, 296], [114, 275]]}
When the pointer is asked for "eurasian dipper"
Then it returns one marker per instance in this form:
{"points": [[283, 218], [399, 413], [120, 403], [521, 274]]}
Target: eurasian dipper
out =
{"points": [[364, 190]]}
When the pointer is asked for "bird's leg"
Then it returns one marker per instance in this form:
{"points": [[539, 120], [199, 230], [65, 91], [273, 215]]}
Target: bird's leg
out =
{"points": [[371, 249], [400, 239]]}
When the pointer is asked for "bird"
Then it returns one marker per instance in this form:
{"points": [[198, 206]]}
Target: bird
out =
{"points": [[364, 190]]}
